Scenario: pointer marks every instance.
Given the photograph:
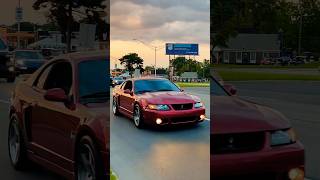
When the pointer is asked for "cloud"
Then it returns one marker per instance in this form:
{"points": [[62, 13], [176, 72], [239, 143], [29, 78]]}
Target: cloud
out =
{"points": [[177, 20]]}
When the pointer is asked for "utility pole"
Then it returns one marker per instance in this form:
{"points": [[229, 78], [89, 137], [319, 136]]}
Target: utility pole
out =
{"points": [[155, 53]]}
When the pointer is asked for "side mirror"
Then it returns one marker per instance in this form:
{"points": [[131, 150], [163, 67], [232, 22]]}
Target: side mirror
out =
{"points": [[230, 88], [128, 91], [56, 94]]}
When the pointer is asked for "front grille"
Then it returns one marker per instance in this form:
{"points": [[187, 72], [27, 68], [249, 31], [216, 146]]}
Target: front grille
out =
{"points": [[179, 107], [236, 143], [183, 119]]}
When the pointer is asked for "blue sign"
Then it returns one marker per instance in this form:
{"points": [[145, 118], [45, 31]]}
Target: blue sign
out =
{"points": [[182, 49]]}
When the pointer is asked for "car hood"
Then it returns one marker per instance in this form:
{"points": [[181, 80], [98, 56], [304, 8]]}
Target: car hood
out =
{"points": [[234, 115], [168, 97]]}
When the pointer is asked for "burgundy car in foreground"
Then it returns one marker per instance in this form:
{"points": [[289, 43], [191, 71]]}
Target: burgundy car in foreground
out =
{"points": [[250, 141], [157, 102], [58, 118]]}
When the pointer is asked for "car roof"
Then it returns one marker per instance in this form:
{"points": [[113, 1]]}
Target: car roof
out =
{"points": [[147, 78]]}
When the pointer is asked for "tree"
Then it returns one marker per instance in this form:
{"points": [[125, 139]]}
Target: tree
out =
{"points": [[131, 62], [66, 13]]}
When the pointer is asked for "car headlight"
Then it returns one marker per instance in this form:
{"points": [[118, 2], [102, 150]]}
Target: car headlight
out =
{"points": [[198, 105], [283, 137], [11, 69], [20, 62], [159, 107]]}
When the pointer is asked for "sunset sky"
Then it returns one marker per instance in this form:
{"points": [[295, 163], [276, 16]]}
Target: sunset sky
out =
{"points": [[156, 23]]}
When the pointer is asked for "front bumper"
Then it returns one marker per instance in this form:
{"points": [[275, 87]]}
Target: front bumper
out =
{"points": [[173, 116], [277, 161]]}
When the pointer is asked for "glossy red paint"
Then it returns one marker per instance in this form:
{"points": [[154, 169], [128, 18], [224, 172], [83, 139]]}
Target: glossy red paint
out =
{"points": [[52, 123], [127, 99], [233, 117]]}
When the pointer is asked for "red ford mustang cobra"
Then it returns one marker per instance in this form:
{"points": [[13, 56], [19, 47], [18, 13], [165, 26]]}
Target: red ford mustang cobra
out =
{"points": [[58, 117], [156, 101], [250, 141]]}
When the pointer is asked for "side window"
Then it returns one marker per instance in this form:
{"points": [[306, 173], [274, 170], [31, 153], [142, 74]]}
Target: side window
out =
{"points": [[60, 76], [128, 85], [123, 84], [42, 77]]}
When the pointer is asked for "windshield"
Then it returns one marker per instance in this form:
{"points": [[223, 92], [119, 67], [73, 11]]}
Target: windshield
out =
{"points": [[28, 55], [118, 79], [2, 45], [94, 81], [154, 85], [216, 89]]}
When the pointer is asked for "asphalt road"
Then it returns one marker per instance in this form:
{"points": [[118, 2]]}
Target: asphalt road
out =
{"points": [[300, 102], [178, 154], [6, 170]]}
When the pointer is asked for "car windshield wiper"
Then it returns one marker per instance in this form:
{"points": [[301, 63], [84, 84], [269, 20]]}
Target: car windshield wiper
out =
{"points": [[96, 95]]}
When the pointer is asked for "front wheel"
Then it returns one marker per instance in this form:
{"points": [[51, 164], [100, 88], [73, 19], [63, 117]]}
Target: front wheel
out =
{"points": [[137, 117], [115, 107], [89, 163], [16, 146]]}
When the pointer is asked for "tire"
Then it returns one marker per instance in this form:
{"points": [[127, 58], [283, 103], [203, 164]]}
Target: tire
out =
{"points": [[16, 146], [11, 79], [137, 117], [89, 163], [115, 107]]}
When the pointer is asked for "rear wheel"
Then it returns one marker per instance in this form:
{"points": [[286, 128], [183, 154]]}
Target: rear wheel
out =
{"points": [[89, 163], [16, 146], [137, 117]]}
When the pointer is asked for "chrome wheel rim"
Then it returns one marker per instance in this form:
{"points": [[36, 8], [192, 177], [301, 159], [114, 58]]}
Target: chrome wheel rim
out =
{"points": [[86, 165], [114, 106], [136, 116], [14, 142]]}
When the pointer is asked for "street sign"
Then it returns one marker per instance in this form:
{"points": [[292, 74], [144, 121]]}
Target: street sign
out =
{"points": [[182, 49], [19, 14]]}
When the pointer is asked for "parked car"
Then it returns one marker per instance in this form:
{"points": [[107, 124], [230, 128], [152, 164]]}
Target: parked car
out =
{"points": [[58, 118], [27, 61], [7, 69], [251, 141], [117, 81], [156, 102]]}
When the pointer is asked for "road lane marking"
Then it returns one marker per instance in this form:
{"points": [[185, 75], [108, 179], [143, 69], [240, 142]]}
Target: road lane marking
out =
{"points": [[4, 101]]}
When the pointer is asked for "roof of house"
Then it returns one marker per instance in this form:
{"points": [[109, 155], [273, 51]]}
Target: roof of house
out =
{"points": [[189, 75], [269, 42]]}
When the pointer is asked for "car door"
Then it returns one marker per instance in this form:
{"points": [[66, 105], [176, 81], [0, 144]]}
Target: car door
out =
{"points": [[126, 99], [53, 124]]}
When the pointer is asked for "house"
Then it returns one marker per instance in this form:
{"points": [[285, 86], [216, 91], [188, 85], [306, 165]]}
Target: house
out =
{"points": [[248, 49]]}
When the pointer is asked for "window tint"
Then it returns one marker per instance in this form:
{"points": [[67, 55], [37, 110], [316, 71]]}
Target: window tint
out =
{"points": [[93, 80], [154, 85], [60, 76], [128, 85], [216, 89]]}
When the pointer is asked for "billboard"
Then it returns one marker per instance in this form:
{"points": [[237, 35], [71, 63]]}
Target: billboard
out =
{"points": [[182, 49]]}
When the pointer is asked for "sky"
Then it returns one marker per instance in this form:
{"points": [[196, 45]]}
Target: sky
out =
{"points": [[155, 23], [7, 12]]}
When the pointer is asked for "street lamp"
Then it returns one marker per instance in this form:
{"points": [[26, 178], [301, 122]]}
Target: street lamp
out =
{"points": [[155, 53]]}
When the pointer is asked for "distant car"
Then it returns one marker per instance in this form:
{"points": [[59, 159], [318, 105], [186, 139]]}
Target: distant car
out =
{"points": [[251, 141], [156, 102], [59, 118], [27, 61], [7, 69], [267, 61], [117, 81]]}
